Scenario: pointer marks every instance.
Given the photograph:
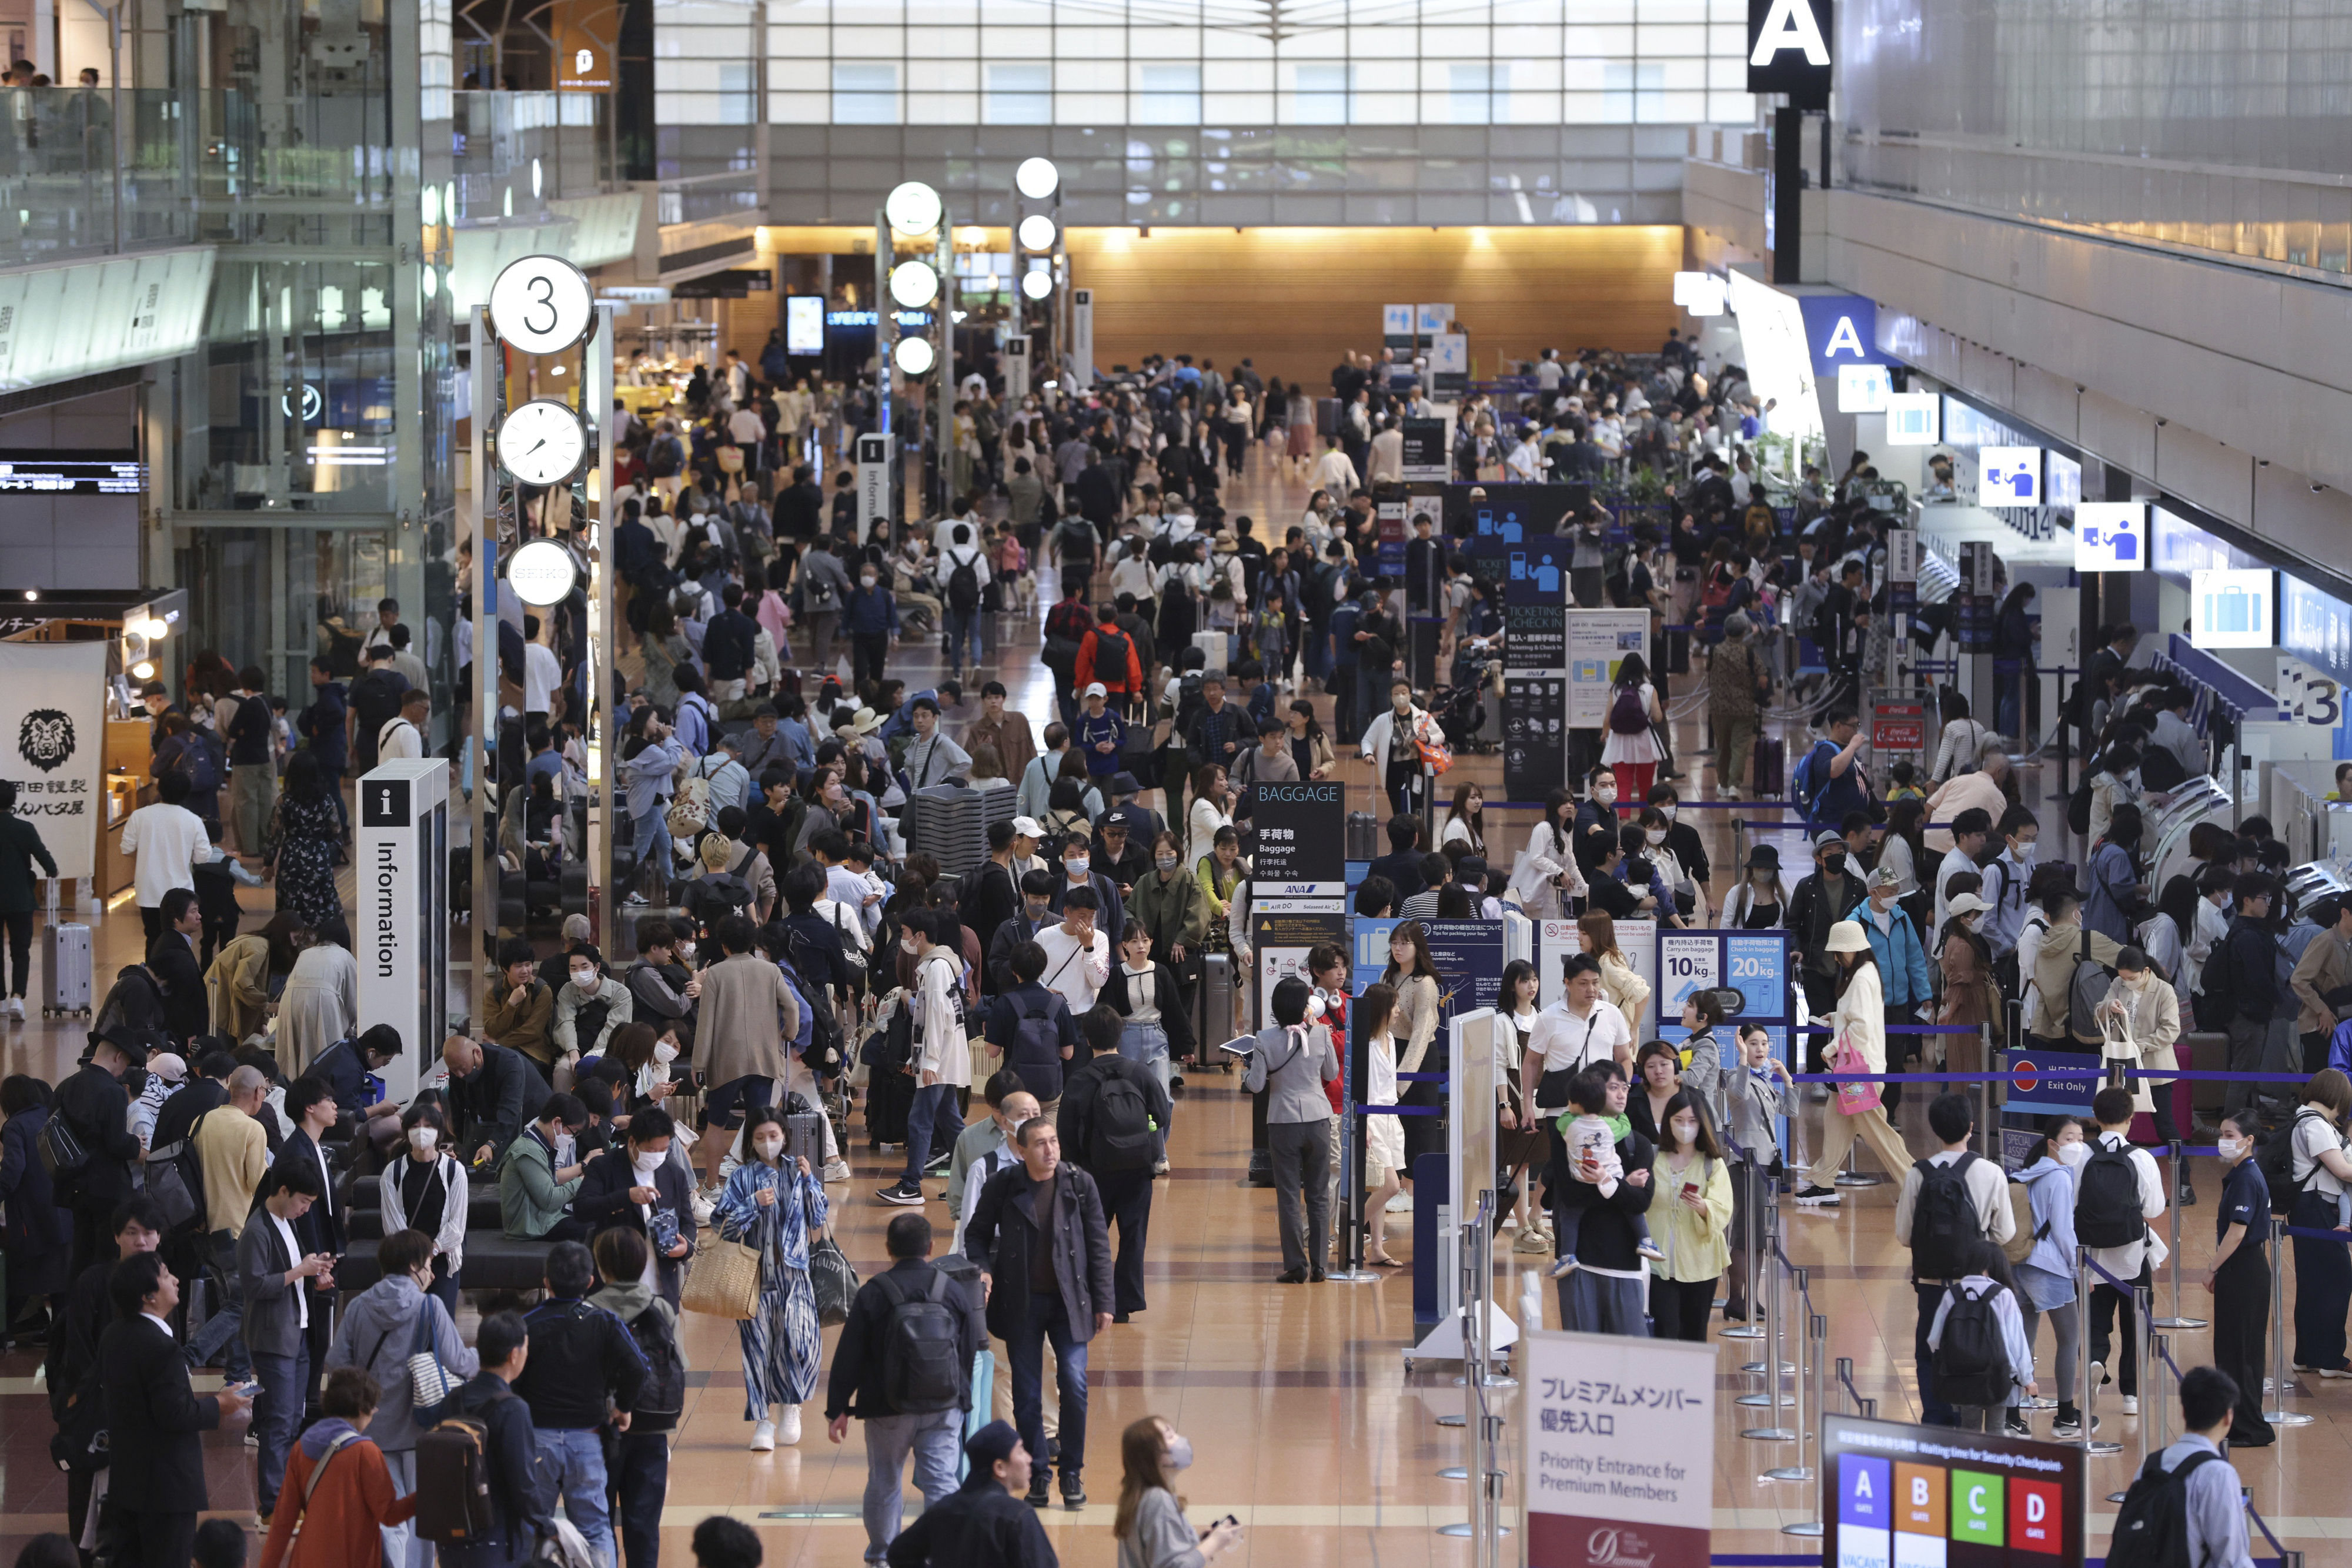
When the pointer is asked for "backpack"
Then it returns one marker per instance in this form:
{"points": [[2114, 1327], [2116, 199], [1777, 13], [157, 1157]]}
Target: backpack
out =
{"points": [[1062, 639], [822, 1047], [818, 592], [1803, 788], [1110, 652], [1037, 1042], [2151, 1529], [963, 585], [2106, 1203], [2085, 992], [890, 1047], [663, 1398], [1626, 714], [1120, 1140], [665, 458], [1971, 1359], [2078, 807], [197, 764], [453, 1480], [689, 808], [2025, 1234], [1943, 1221], [922, 1347], [2276, 1160]]}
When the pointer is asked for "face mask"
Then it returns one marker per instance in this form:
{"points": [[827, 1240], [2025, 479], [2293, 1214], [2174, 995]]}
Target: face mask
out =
{"points": [[1038, 911], [768, 1149], [1075, 867], [865, 579], [1833, 864], [664, 1053], [906, 945], [1655, 835], [422, 1139], [684, 952], [1684, 1129], [646, 1164], [1165, 863], [1179, 1452], [586, 979], [2230, 1148], [2075, 1153], [1760, 878], [1403, 704], [1668, 811]]}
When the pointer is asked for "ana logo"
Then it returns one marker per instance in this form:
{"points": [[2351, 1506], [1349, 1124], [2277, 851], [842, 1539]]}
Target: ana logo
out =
{"points": [[1791, 24], [1613, 1548], [45, 739]]}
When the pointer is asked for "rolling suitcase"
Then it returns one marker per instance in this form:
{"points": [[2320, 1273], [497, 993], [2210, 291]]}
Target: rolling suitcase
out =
{"points": [[1363, 836], [64, 958], [1214, 1026], [1770, 771]]}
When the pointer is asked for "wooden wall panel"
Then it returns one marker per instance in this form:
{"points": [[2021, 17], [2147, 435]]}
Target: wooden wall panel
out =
{"points": [[1293, 300]]}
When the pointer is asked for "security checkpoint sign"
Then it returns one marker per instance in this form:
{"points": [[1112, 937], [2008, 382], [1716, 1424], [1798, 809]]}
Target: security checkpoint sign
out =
{"points": [[1895, 1495], [1619, 1447]]}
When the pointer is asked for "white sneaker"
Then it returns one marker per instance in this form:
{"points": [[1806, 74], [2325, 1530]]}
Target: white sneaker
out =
{"points": [[16, 1009], [835, 1169], [1401, 1204], [2131, 1404], [764, 1438], [788, 1426], [702, 1205]]}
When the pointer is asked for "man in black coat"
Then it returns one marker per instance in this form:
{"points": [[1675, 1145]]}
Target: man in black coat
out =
{"points": [[311, 1102], [494, 1092], [622, 1187], [344, 1066], [1098, 496], [584, 1364], [1127, 1190], [93, 1104], [70, 1367], [205, 1088], [172, 958], [153, 1421], [985, 1524], [522, 1501], [1039, 1238], [1402, 864], [800, 509]]}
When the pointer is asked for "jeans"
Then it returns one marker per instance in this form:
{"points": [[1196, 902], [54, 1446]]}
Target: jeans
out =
{"points": [[963, 631], [652, 842], [1933, 1412], [276, 1419], [1146, 1045], [572, 1460], [220, 1334], [936, 1441], [640, 1467], [1048, 1321], [931, 1104]]}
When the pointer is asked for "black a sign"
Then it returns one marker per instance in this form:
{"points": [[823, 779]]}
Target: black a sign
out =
{"points": [[1789, 50]]}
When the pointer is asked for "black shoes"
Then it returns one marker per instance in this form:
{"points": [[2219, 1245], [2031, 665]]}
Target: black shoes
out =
{"points": [[1314, 1276], [1041, 1488], [1074, 1491], [1291, 1277], [1119, 1317]]}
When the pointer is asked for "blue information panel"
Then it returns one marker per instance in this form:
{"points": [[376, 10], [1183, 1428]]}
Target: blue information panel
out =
{"points": [[1753, 963], [2031, 1096]]}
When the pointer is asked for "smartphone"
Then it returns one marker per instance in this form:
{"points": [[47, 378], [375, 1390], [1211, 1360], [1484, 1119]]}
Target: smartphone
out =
{"points": [[1689, 1187]]}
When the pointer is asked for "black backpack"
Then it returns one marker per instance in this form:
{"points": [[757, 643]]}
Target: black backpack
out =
{"points": [[198, 764], [1110, 653], [922, 1348], [664, 457], [1943, 1221], [2106, 1203], [663, 1398], [2276, 1160], [175, 1180], [824, 1055], [2151, 1529], [2078, 807], [2086, 988], [1971, 1359], [890, 1047], [1121, 1139], [963, 585]]}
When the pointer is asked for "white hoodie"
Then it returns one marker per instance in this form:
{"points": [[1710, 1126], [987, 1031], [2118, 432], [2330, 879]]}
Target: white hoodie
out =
{"points": [[941, 1046]]}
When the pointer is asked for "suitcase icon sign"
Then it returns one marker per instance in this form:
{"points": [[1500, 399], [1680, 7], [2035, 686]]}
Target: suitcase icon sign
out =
{"points": [[2233, 610]]}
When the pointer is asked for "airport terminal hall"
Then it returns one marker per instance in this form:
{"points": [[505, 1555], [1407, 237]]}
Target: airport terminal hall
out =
{"points": [[1151, 783]]}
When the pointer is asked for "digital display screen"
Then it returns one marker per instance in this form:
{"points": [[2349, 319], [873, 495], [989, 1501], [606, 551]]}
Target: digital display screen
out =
{"points": [[805, 324], [73, 474], [1900, 1496]]}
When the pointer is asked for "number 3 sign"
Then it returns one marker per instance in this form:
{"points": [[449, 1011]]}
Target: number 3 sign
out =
{"points": [[541, 305]]}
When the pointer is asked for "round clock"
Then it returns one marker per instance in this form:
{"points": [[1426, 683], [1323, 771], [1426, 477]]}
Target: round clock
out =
{"points": [[541, 573], [542, 442], [542, 304]]}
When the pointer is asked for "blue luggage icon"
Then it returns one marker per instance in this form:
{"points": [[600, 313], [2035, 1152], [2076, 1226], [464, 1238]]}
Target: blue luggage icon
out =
{"points": [[2233, 609]]}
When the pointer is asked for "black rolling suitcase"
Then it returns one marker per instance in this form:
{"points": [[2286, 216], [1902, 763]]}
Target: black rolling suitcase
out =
{"points": [[1770, 780], [888, 1097]]}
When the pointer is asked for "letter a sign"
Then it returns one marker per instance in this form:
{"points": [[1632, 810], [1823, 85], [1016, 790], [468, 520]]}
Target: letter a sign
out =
{"points": [[1789, 50]]}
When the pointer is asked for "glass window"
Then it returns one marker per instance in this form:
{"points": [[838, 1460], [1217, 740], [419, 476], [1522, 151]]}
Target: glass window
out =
{"points": [[1170, 95], [739, 87], [1020, 94], [1630, 90], [1319, 93], [1470, 95], [865, 92]]}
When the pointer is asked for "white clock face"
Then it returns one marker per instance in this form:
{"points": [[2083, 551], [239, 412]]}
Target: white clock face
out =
{"points": [[541, 305], [542, 442]]}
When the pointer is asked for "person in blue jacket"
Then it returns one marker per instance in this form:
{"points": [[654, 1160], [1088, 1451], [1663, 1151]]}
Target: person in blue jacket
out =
{"points": [[1902, 968], [869, 617], [1829, 780]]}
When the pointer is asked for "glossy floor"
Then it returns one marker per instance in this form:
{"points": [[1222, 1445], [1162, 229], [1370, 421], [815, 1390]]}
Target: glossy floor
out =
{"points": [[1306, 1424]]}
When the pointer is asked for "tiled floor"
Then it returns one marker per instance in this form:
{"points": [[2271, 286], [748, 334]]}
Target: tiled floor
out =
{"points": [[1304, 1422]]}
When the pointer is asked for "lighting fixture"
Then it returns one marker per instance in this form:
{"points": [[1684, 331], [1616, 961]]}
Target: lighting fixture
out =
{"points": [[1037, 232], [1037, 285], [913, 208], [1036, 178], [914, 356], [914, 285]]}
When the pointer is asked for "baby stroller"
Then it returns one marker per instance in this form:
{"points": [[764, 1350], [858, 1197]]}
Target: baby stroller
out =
{"points": [[1460, 714]]}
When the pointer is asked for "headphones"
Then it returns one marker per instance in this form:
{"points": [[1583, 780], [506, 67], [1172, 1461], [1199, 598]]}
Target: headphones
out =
{"points": [[1315, 1005]]}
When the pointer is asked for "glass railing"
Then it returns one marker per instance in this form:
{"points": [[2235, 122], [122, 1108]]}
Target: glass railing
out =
{"points": [[58, 185], [515, 152], [2301, 219]]}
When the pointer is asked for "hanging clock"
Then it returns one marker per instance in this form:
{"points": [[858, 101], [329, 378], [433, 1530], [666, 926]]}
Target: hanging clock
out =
{"points": [[542, 442], [542, 304]]}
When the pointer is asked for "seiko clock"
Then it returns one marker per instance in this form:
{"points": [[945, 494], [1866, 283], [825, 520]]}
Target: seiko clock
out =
{"points": [[542, 442]]}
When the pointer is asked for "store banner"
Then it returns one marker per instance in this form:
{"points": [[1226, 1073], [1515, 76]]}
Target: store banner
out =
{"points": [[1619, 1451], [1598, 641], [53, 716]]}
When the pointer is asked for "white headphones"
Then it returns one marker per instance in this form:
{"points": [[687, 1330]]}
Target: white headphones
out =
{"points": [[1314, 1006]]}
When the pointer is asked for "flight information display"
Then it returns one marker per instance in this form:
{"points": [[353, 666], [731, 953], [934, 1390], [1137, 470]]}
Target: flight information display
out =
{"points": [[72, 473]]}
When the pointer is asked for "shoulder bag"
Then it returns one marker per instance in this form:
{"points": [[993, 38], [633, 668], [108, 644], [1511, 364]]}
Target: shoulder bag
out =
{"points": [[1852, 1099], [430, 1384], [834, 1280], [723, 1281]]}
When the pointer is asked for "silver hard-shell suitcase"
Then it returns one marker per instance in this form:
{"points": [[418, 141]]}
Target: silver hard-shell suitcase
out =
{"points": [[65, 960]]}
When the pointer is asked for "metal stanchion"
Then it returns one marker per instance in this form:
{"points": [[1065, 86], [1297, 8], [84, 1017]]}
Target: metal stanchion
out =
{"points": [[2144, 1360], [1771, 1321], [1771, 1399], [1756, 1180], [2160, 1358], [2281, 1416], [2172, 1266], [1808, 1354], [2088, 1390], [1349, 1220], [1485, 1430], [1820, 1333]]}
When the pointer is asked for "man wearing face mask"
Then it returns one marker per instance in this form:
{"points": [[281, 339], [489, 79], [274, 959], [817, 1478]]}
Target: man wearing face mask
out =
{"points": [[1077, 951], [869, 614], [1078, 871], [2006, 876], [1820, 902], [1036, 914], [1901, 960], [2148, 1015], [647, 1192]]}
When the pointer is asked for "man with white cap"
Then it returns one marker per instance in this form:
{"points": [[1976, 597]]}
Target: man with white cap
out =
{"points": [[1902, 961], [1857, 1023]]}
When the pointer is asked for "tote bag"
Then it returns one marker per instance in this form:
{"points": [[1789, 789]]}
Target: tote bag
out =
{"points": [[1852, 1099], [724, 1281]]}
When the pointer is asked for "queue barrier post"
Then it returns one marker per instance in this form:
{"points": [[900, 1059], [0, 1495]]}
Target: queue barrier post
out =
{"points": [[2143, 1359], [1350, 1218], [2280, 1415], [1818, 1331], [1771, 1399], [2088, 1390], [1800, 1471], [2172, 1265], [1757, 1178]]}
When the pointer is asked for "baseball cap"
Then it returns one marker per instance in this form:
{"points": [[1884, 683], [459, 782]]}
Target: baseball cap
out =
{"points": [[1097, 689], [1027, 828]]}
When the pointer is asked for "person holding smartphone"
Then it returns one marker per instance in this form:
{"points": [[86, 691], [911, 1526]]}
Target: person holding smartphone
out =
{"points": [[1150, 1525]]}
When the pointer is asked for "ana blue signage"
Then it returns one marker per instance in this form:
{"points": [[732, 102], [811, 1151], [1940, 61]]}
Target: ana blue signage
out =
{"points": [[1841, 329]]}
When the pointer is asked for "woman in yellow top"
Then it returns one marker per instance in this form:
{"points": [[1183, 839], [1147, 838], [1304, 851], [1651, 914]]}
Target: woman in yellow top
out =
{"points": [[1690, 1220], [1627, 991], [1219, 875]]}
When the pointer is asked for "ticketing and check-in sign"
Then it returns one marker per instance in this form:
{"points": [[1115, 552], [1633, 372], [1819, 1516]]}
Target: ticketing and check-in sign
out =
{"points": [[2111, 535], [2009, 476]]}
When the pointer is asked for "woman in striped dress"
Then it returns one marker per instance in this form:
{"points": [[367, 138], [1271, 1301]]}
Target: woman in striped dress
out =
{"points": [[774, 1207]]}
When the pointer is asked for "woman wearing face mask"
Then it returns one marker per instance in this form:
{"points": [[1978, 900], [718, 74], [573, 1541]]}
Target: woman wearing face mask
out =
{"points": [[649, 1061], [1694, 1190], [1170, 904], [1689, 850], [1383, 1136], [2113, 893], [1548, 874], [426, 1191], [775, 1206], [1760, 902], [1150, 1525], [1520, 1140], [589, 1008], [649, 764], [2045, 1279], [1389, 746], [1689, 894], [2140, 1026], [869, 618], [1971, 998]]}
